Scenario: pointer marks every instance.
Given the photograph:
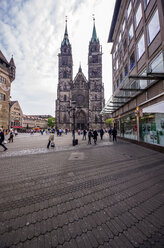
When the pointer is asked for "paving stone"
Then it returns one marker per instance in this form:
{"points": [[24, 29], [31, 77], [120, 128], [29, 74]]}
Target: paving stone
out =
{"points": [[92, 239]]}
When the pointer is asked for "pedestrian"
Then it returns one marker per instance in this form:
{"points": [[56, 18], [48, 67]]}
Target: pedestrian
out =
{"points": [[110, 133], [50, 140], [2, 138], [11, 136], [89, 136], [101, 133], [114, 132], [84, 134], [95, 134]]}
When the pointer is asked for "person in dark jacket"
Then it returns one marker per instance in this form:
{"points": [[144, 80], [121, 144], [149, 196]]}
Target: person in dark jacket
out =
{"points": [[2, 137], [95, 134], [114, 133], [89, 136], [101, 133]]}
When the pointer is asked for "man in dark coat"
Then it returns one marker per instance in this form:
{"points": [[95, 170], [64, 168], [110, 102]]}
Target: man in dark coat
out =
{"points": [[114, 132], [2, 137], [95, 134], [101, 133]]}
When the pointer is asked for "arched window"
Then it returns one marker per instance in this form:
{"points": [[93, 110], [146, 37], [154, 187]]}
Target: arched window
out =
{"points": [[65, 74], [65, 86], [65, 118]]}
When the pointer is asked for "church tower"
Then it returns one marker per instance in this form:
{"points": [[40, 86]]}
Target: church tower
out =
{"points": [[64, 82], [96, 91]]}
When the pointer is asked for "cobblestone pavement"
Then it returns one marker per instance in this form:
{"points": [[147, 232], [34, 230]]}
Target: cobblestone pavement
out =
{"points": [[105, 196]]}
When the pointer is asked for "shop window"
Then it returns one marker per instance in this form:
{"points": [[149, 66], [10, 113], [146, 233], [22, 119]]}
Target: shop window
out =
{"points": [[2, 97], [153, 27], [2, 80], [130, 34], [140, 47], [138, 15], [132, 61], [146, 2], [126, 70], [129, 9]]}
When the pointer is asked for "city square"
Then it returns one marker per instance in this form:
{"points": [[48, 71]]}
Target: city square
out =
{"points": [[82, 124], [104, 195]]}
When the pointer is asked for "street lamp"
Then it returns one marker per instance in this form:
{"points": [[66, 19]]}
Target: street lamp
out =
{"points": [[73, 108]]}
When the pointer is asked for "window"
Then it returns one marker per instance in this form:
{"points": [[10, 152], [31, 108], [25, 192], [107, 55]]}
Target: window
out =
{"points": [[132, 61], [153, 27], [140, 47], [130, 34], [146, 3], [129, 9], [116, 47], [65, 98], [117, 83], [157, 65], [120, 78], [126, 70], [2, 80], [2, 97], [65, 86], [65, 74], [95, 97], [125, 44], [119, 38], [96, 119], [138, 15], [123, 26], [116, 64]]}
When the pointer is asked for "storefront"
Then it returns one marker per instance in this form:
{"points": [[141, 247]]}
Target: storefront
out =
{"points": [[152, 124], [128, 126]]}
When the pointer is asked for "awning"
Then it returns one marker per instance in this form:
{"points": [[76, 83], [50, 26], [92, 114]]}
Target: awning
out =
{"points": [[16, 126], [155, 108]]}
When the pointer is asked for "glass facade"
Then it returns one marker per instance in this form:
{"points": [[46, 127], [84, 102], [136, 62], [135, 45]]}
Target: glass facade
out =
{"points": [[129, 126], [152, 128]]}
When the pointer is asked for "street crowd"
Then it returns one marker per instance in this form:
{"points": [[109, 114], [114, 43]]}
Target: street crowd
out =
{"points": [[90, 135]]}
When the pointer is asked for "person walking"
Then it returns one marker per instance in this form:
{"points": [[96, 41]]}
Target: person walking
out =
{"points": [[2, 138], [101, 133], [84, 134], [11, 136], [50, 140], [95, 134], [110, 133], [114, 132], [89, 137]]}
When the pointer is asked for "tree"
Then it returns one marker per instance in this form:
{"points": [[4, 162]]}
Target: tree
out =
{"points": [[51, 122], [109, 122]]}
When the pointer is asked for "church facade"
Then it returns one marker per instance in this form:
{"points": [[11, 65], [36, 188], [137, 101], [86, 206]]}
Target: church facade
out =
{"points": [[88, 94]]}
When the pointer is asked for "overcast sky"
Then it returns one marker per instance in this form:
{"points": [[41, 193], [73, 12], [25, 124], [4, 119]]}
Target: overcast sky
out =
{"points": [[32, 30]]}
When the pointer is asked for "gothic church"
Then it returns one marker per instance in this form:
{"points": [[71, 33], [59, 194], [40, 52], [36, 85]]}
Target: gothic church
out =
{"points": [[88, 94]]}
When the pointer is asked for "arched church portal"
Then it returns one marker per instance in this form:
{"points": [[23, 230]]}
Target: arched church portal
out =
{"points": [[81, 120]]}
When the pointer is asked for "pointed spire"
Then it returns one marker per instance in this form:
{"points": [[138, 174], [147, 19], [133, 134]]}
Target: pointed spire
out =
{"points": [[65, 40], [80, 70], [12, 62], [94, 34]]}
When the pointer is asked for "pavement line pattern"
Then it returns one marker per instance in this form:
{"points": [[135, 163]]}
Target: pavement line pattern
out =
{"points": [[112, 198]]}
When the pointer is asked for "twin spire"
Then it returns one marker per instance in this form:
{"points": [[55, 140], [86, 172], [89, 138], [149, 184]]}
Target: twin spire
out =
{"points": [[93, 39]]}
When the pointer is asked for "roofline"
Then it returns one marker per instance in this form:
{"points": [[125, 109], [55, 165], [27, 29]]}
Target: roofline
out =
{"points": [[114, 20]]}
